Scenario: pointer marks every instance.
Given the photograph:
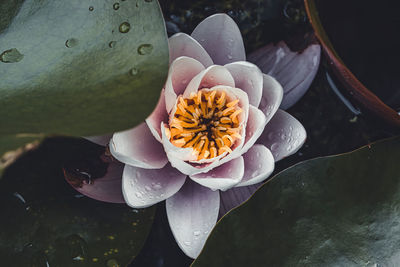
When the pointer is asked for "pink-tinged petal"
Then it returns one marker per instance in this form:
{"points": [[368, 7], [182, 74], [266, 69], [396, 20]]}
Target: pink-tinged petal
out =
{"points": [[283, 135], [258, 165], [210, 77], [272, 96], [106, 188], [181, 72], [102, 140], [235, 196], [181, 44], [174, 152], [138, 147], [222, 177], [295, 71], [142, 187], [249, 78], [192, 213], [254, 128], [221, 38], [159, 115]]}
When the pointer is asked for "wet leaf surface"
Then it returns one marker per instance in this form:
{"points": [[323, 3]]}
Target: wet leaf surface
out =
{"points": [[45, 221], [82, 68], [332, 211]]}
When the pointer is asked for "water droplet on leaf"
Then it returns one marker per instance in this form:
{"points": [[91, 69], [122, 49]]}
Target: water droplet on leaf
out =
{"points": [[124, 27], [116, 6], [91, 8], [112, 44], [71, 42], [133, 71], [11, 56], [145, 49]]}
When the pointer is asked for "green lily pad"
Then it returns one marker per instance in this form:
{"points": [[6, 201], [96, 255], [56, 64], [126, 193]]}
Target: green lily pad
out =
{"points": [[45, 222], [333, 211], [79, 68]]}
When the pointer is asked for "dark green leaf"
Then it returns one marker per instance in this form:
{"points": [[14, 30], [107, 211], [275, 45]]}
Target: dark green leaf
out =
{"points": [[79, 68], [43, 219], [332, 211]]}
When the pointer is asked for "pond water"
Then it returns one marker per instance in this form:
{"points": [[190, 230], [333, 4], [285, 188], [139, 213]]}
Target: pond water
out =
{"points": [[365, 35]]}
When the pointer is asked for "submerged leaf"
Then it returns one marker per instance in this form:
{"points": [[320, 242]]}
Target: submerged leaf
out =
{"points": [[331, 211]]}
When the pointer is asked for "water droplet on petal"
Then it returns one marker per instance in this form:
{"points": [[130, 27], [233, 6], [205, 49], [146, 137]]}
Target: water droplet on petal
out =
{"points": [[196, 233], [116, 6], [145, 49], [71, 42], [187, 243], [157, 186], [271, 136], [274, 147], [138, 195], [124, 27], [229, 56], [147, 188]]}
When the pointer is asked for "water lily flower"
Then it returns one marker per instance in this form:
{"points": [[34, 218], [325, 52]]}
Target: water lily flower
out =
{"points": [[217, 127]]}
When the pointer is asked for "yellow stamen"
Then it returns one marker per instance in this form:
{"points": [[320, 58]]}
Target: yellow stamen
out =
{"points": [[207, 122]]}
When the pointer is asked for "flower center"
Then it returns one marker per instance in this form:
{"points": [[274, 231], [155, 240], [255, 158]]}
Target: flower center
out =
{"points": [[208, 122]]}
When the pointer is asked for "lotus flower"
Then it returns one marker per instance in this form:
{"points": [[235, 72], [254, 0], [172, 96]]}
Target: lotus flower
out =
{"points": [[216, 126]]}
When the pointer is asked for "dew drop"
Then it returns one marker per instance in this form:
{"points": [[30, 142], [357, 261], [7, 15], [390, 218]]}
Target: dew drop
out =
{"points": [[116, 6], [205, 232], [133, 71], [71, 42], [91, 8], [124, 27], [135, 210], [147, 188], [283, 136], [274, 146], [271, 136], [138, 175], [112, 44], [229, 56], [187, 243], [157, 186], [145, 49], [289, 148], [196, 233], [11, 56], [138, 195]]}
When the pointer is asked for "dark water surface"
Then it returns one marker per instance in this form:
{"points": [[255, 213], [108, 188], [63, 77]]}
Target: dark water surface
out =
{"points": [[366, 36]]}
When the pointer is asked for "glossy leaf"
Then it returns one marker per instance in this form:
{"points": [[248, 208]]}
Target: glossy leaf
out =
{"points": [[79, 68], [331, 211]]}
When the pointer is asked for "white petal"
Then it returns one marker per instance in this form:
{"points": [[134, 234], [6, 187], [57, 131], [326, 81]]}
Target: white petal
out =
{"points": [[272, 96], [192, 213], [210, 77], [142, 187], [222, 177], [138, 147], [258, 165], [283, 135], [254, 128], [249, 78], [181, 44], [158, 115], [181, 72], [221, 38]]}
